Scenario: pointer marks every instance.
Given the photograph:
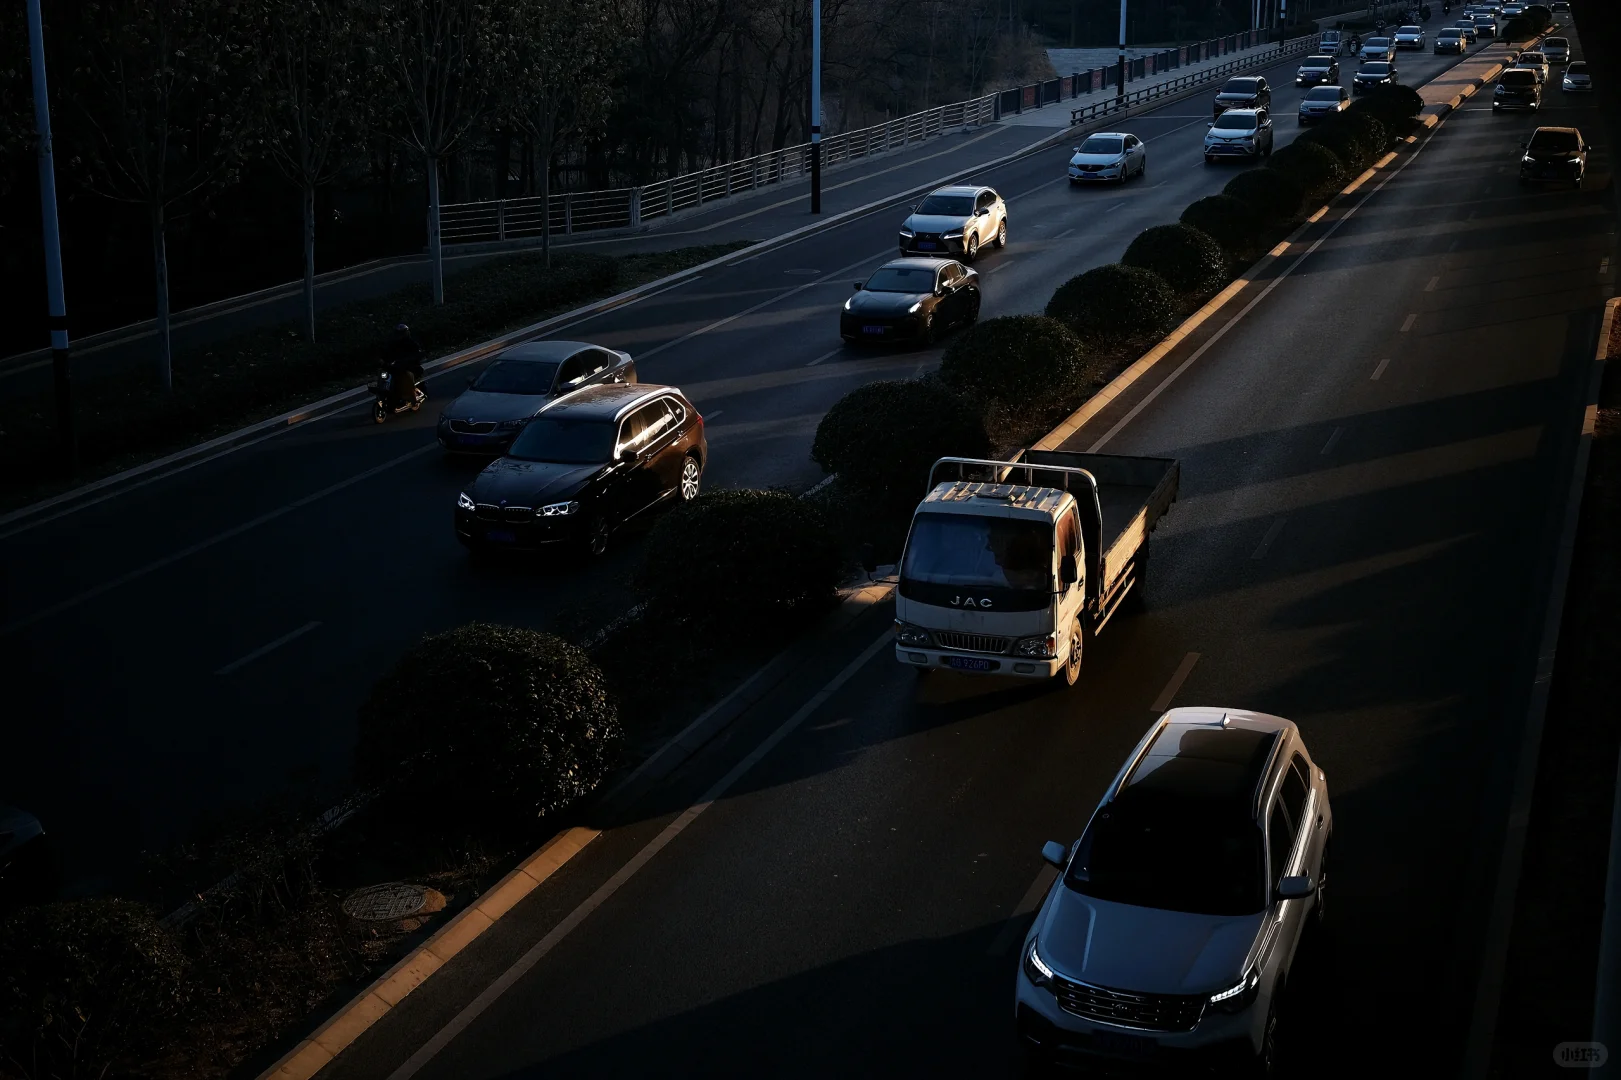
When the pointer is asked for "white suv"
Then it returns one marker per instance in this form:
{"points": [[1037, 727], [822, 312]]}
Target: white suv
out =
{"points": [[1175, 919]]}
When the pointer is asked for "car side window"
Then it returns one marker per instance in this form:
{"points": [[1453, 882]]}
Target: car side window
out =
{"points": [[1132, 142], [631, 430], [678, 412], [985, 199], [1281, 841], [657, 423], [1295, 789], [1067, 538], [573, 371], [600, 360]]}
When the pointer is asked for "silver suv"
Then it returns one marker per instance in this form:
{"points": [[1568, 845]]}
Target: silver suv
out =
{"points": [[1176, 917], [1238, 133], [955, 221]]}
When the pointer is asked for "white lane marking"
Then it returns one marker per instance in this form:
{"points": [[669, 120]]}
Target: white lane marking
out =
{"points": [[263, 649], [1272, 532], [1183, 670], [819, 485], [1011, 931], [1148, 399], [1333, 441], [204, 545], [1434, 281], [709, 418], [1380, 370], [830, 354], [1063, 234], [1115, 207], [1407, 324], [1162, 183], [538, 951], [718, 323], [1003, 265]]}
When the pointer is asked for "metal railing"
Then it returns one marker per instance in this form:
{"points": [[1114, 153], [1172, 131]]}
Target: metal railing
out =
{"points": [[1095, 109]]}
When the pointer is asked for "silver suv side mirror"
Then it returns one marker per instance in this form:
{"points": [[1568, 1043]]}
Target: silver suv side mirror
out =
{"points": [[1295, 887]]}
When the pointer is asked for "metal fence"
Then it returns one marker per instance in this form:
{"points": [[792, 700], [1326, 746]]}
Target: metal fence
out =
{"points": [[1093, 110]]}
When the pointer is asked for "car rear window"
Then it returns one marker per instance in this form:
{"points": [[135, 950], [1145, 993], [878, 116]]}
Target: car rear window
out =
{"points": [[1555, 142], [1324, 93], [517, 377], [1518, 78]]}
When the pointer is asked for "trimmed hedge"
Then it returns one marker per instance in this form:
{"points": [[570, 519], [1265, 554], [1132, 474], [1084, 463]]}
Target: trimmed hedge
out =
{"points": [[1354, 139], [1114, 301], [1272, 195], [883, 437], [1394, 106], [1228, 221], [1190, 261], [1519, 28], [87, 988], [742, 560], [1312, 165], [1015, 358], [489, 719]]}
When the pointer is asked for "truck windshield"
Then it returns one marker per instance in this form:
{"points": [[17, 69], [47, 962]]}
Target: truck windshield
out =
{"points": [[1006, 560]]}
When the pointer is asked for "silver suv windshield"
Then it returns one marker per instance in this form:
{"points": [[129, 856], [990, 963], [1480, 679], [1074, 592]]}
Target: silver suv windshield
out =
{"points": [[1229, 122]]}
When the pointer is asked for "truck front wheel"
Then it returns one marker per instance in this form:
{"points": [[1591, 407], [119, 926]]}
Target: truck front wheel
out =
{"points": [[1077, 652]]}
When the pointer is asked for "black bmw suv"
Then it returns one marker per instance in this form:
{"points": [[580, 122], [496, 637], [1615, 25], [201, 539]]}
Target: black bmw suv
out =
{"points": [[583, 467]]}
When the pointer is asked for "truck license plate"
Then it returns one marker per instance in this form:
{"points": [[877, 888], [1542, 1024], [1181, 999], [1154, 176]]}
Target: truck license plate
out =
{"points": [[501, 536], [970, 663], [872, 329]]}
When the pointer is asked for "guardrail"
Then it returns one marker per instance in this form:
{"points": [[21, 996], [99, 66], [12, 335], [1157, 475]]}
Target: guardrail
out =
{"points": [[1096, 109]]}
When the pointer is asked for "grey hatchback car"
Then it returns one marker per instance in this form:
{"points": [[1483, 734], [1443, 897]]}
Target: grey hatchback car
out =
{"points": [[488, 415]]}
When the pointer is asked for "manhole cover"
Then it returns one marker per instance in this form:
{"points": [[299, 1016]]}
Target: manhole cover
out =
{"points": [[803, 272], [386, 903]]}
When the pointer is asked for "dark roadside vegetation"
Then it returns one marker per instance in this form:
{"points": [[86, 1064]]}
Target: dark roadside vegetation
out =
{"points": [[124, 419]]}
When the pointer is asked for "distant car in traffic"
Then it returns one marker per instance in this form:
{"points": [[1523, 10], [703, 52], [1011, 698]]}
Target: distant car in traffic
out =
{"points": [[1371, 75], [1248, 92], [1560, 7], [957, 220], [1321, 101], [1108, 155], [488, 415], [1531, 60], [586, 466], [1315, 70], [1556, 50], [1517, 88], [1330, 43], [911, 300], [1577, 80], [1409, 37], [1378, 48], [1554, 155], [1177, 918], [1486, 25], [1239, 133], [1508, 11], [1467, 28], [1450, 40]]}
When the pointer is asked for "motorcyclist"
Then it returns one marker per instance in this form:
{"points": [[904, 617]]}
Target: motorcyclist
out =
{"points": [[404, 359], [1356, 44]]}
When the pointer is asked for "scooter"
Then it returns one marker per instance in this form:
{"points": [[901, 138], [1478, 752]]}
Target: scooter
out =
{"points": [[388, 402]]}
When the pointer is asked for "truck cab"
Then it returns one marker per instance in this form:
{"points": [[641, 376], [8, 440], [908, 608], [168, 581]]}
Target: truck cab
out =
{"points": [[1011, 567]]}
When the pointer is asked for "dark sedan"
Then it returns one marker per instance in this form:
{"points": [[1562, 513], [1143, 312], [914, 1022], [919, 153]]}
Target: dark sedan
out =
{"points": [[911, 300], [522, 379], [1371, 75], [587, 465], [1554, 155], [1316, 70], [1249, 92], [1517, 88]]}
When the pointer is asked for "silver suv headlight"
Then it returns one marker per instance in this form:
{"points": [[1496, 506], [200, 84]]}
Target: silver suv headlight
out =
{"points": [[1239, 996], [907, 634], [1035, 968], [558, 509]]}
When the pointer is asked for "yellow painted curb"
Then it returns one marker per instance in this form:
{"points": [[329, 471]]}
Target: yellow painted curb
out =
{"points": [[372, 1004]]}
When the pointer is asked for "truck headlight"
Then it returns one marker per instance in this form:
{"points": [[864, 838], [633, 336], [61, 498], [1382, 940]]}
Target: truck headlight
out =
{"points": [[465, 502], [1044, 648], [907, 634], [1239, 996], [1035, 968], [558, 509]]}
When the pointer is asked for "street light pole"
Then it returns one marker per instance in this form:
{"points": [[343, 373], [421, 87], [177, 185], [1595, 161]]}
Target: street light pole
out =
{"points": [[58, 321], [816, 106], [1120, 77]]}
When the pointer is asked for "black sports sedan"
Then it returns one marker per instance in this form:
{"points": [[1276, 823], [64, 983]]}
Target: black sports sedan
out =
{"points": [[585, 466], [911, 300], [1372, 74], [1554, 154], [1248, 92], [1316, 70], [518, 384]]}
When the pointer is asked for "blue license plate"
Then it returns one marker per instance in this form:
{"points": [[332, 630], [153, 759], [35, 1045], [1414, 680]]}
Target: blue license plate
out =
{"points": [[1135, 1045], [969, 663], [872, 329], [927, 245], [501, 536], [467, 440]]}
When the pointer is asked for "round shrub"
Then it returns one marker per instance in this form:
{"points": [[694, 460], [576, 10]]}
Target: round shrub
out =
{"points": [[1114, 301], [883, 437], [488, 719], [1393, 106], [1539, 16], [1270, 194], [1229, 222], [87, 987], [1312, 165], [1519, 28], [1188, 260], [749, 559], [1017, 359], [1346, 137]]}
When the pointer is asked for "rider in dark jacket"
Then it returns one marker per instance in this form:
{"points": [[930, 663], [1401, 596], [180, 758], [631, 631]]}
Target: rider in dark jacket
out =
{"points": [[404, 359]]}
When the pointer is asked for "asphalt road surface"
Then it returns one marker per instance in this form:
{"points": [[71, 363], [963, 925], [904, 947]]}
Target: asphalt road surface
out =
{"points": [[1374, 462], [203, 641]]}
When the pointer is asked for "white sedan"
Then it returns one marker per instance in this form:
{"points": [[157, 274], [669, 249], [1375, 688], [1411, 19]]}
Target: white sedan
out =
{"points": [[1108, 155]]}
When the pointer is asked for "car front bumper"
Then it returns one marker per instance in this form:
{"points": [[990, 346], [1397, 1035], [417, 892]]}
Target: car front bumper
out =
{"points": [[1550, 174], [1227, 149], [514, 535], [492, 443], [1315, 115], [855, 328], [1504, 104], [1080, 175], [1023, 667], [931, 245]]}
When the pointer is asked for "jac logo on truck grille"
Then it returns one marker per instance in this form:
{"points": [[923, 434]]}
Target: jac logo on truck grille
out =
{"points": [[969, 601]]}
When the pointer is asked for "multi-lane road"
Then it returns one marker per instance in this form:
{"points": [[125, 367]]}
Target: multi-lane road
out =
{"points": [[203, 640]]}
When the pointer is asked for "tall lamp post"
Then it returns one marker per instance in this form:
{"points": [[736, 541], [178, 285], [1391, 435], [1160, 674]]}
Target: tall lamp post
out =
{"points": [[1120, 76], [816, 106], [58, 322]]}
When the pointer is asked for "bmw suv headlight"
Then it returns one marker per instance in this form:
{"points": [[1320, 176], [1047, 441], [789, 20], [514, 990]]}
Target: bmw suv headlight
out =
{"points": [[465, 502], [1239, 996], [558, 509], [907, 634], [1044, 648], [1035, 968]]}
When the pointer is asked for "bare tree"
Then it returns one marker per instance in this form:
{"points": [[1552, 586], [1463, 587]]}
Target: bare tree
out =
{"points": [[306, 78], [16, 96], [159, 97], [437, 60]]}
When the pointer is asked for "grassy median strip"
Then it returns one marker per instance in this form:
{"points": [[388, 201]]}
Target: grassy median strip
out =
{"points": [[124, 420]]}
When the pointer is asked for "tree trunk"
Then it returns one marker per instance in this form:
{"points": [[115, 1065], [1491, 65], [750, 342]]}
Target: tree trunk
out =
{"points": [[436, 255], [160, 274], [309, 262]]}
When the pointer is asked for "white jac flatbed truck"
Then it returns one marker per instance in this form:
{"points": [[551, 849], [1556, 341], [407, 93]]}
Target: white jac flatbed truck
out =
{"points": [[1011, 567]]}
